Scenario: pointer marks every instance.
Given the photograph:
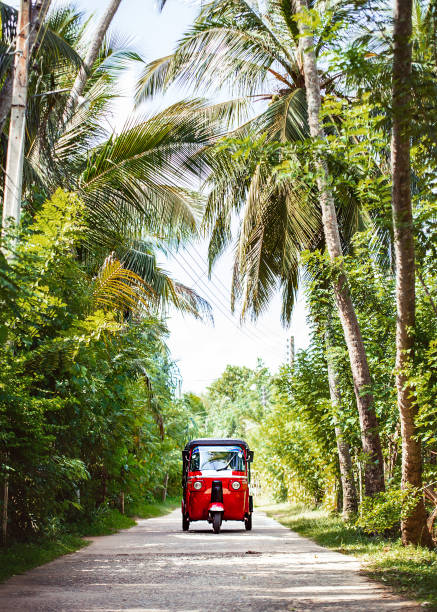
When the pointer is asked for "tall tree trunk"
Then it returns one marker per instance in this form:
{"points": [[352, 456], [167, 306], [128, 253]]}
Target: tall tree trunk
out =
{"points": [[91, 56], [5, 503], [414, 528], [15, 154], [427, 291], [374, 468], [39, 12], [350, 498], [5, 510], [164, 488]]}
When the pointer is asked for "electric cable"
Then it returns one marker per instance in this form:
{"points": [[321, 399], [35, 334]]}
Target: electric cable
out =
{"points": [[243, 331], [257, 333], [267, 328], [254, 334]]}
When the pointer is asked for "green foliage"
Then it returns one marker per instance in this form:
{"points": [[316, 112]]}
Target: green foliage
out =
{"points": [[87, 406], [297, 436], [104, 521], [385, 510], [144, 510], [21, 557], [236, 403]]}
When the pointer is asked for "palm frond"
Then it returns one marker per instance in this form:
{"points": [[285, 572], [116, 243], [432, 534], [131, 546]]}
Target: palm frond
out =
{"points": [[230, 45], [140, 257], [55, 49], [141, 176], [120, 289]]}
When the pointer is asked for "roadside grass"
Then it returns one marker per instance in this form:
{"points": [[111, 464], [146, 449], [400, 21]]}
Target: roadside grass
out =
{"points": [[20, 557], [408, 570], [104, 521], [146, 510]]}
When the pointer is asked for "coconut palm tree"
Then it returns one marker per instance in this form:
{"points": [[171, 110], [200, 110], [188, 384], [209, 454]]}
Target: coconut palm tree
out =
{"points": [[374, 476], [258, 55], [91, 55], [137, 182], [414, 527]]}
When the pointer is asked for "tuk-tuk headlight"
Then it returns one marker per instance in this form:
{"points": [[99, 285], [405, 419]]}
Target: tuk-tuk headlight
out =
{"points": [[235, 485], [197, 485]]}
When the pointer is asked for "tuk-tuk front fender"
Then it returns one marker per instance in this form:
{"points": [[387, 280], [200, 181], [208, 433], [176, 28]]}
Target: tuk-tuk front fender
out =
{"points": [[216, 507]]}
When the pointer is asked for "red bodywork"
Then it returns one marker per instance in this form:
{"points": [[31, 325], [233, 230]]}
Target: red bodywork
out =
{"points": [[235, 503], [197, 505]]}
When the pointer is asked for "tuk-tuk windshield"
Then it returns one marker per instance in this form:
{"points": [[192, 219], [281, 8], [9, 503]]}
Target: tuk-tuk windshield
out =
{"points": [[217, 458]]}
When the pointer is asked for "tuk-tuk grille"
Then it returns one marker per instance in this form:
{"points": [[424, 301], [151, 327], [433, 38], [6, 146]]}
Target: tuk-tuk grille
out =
{"points": [[217, 491]]}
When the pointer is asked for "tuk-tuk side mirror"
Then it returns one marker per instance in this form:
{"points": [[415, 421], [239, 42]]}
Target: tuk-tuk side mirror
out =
{"points": [[250, 456]]}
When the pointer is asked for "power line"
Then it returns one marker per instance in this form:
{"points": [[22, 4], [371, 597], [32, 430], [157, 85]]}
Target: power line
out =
{"points": [[217, 304], [244, 332], [269, 330], [256, 332]]}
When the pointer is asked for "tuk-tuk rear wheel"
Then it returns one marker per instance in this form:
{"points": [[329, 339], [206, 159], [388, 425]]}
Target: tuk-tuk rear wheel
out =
{"points": [[185, 522], [216, 521], [248, 522]]}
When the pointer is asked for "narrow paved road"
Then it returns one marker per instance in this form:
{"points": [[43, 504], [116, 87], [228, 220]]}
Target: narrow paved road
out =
{"points": [[155, 567]]}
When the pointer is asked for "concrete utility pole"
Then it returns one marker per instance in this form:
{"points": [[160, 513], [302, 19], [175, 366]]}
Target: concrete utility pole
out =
{"points": [[290, 351], [15, 153]]}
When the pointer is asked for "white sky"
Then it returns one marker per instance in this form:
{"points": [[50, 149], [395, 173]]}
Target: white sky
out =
{"points": [[201, 350]]}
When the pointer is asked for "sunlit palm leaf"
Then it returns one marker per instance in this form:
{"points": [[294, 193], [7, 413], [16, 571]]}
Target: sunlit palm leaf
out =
{"points": [[121, 289]]}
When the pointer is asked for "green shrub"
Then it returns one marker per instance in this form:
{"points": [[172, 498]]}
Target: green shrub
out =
{"points": [[384, 511]]}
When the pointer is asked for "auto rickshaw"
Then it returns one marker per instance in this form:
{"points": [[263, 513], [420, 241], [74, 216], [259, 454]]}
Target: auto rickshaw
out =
{"points": [[215, 482]]}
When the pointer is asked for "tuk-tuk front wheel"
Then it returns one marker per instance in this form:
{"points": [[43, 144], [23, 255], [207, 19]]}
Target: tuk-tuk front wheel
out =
{"points": [[216, 521], [185, 522], [248, 522]]}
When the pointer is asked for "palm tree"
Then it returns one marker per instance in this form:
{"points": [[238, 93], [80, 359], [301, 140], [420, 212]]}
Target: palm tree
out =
{"points": [[414, 527], [234, 45], [137, 183], [91, 56], [374, 475]]}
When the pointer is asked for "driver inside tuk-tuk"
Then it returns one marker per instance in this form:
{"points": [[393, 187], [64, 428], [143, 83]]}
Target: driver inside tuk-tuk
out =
{"points": [[217, 458]]}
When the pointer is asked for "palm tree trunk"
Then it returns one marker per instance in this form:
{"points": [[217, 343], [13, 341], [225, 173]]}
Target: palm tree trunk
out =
{"points": [[5, 503], [414, 528], [374, 468], [91, 56], [350, 498], [15, 153]]}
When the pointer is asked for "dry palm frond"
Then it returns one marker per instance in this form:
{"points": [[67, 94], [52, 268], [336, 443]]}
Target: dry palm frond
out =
{"points": [[121, 289]]}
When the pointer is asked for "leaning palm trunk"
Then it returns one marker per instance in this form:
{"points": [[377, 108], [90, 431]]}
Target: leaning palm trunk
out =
{"points": [[91, 56], [414, 528], [350, 499], [374, 471]]}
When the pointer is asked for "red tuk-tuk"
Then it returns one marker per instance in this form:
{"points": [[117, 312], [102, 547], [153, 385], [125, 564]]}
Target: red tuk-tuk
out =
{"points": [[215, 482]]}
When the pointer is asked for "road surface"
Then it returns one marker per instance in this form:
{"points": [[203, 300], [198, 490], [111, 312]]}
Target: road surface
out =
{"points": [[154, 566]]}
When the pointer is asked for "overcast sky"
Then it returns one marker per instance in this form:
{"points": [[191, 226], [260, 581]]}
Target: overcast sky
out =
{"points": [[201, 351]]}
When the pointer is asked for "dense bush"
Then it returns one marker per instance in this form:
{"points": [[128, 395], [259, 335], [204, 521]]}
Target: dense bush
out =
{"points": [[87, 389]]}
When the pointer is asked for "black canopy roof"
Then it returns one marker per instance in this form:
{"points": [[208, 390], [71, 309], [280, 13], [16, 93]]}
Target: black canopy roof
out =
{"points": [[216, 442]]}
